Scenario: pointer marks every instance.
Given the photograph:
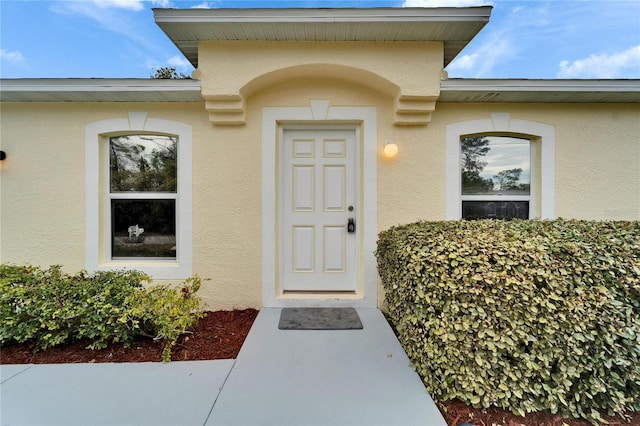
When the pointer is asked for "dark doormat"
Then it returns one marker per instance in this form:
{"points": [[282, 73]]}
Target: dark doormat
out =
{"points": [[319, 319]]}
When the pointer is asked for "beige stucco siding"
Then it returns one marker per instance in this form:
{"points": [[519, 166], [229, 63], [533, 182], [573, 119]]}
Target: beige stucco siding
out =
{"points": [[228, 67], [43, 193], [227, 216], [42, 219], [597, 173]]}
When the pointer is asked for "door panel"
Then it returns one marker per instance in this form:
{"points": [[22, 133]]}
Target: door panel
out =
{"points": [[318, 197]]}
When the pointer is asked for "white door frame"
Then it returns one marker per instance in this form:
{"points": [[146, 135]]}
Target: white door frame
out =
{"points": [[364, 121]]}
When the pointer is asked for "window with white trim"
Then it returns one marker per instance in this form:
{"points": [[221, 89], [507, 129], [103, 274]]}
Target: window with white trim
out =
{"points": [[138, 212], [495, 177], [541, 137]]}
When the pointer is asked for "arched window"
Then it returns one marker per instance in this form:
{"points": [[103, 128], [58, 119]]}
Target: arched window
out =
{"points": [[138, 196], [500, 168]]}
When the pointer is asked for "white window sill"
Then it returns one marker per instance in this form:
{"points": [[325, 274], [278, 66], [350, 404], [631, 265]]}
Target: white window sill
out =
{"points": [[157, 270]]}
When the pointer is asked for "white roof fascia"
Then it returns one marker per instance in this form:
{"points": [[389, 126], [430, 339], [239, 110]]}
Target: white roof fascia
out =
{"points": [[379, 15], [522, 90], [97, 84], [524, 85], [187, 90], [88, 90]]}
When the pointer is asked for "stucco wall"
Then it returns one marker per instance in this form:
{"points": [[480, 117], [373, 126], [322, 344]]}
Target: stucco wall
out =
{"points": [[43, 193], [42, 180], [226, 67]]}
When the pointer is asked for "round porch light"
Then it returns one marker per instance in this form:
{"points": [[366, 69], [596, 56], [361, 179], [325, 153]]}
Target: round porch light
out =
{"points": [[390, 149]]}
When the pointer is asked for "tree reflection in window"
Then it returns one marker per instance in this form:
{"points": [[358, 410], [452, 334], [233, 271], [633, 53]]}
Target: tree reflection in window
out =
{"points": [[495, 165], [143, 163], [143, 190], [493, 170]]}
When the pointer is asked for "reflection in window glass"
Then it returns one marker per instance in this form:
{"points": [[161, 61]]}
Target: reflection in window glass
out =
{"points": [[495, 165], [143, 228], [143, 163], [495, 209]]}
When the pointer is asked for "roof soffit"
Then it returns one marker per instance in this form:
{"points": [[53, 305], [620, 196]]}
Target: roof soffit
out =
{"points": [[454, 27]]}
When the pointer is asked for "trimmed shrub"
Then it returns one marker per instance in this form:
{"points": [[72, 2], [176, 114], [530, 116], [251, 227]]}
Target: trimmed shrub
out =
{"points": [[49, 308], [522, 315], [165, 313]]}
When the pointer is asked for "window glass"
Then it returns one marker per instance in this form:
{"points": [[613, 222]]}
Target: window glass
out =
{"points": [[143, 228], [143, 225], [495, 209], [143, 163], [495, 165]]}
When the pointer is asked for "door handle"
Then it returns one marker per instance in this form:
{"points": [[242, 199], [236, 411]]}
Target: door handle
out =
{"points": [[351, 226]]}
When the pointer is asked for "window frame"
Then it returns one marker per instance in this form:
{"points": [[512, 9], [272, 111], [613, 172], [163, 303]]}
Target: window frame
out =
{"points": [[542, 137], [98, 197]]}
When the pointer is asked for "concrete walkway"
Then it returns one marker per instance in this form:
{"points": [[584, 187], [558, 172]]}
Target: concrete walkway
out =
{"points": [[281, 377]]}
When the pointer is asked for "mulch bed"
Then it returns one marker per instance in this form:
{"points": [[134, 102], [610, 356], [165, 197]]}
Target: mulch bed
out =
{"points": [[220, 334], [457, 413]]}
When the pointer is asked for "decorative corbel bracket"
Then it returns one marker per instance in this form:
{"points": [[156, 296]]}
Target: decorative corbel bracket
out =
{"points": [[225, 110], [414, 110]]}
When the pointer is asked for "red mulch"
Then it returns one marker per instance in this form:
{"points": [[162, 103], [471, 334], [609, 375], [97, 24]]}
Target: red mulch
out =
{"points": [[456, 413], [220, 334]]}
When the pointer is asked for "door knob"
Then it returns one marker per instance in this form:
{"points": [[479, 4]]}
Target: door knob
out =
{"points": [[351, 226]]}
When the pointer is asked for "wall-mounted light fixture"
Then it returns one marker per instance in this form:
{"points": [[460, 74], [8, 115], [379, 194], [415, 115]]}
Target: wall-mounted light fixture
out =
{"points": [[390, 149], [3, 155]]}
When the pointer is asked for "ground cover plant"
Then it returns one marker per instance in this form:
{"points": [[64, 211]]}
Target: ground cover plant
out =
{"points": [[49, 307], [522, 315]]}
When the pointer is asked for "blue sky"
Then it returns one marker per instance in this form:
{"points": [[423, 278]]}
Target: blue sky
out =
{"points": [[118, 38]]}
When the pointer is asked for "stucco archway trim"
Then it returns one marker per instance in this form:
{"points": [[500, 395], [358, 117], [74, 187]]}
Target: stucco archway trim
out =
{"points": [[228, 109]]}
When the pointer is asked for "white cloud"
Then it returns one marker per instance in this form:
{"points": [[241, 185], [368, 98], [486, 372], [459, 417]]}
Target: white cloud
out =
{"points": [[203, 5], [122, 4], [118, 16], [465, 62], [480, 63], [615, 65], [134, 5], [161, 3], [12, 56], [178, 62], [446, 3]]}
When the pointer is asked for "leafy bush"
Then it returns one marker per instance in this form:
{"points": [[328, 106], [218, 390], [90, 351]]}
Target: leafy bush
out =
{"points": [[50, 308], [523, 315], [165, 313]]}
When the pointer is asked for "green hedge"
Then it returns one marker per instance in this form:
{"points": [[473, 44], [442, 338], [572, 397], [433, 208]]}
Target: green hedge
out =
{"points": [[522, 315], [49, 307]]}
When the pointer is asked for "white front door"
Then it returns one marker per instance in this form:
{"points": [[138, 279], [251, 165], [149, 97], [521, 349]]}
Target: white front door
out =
{"points": [[319, 206]]}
